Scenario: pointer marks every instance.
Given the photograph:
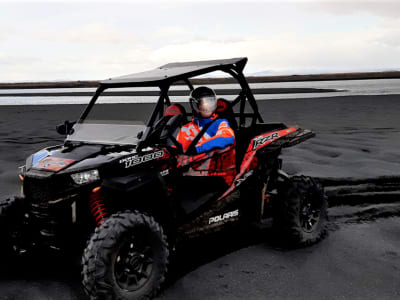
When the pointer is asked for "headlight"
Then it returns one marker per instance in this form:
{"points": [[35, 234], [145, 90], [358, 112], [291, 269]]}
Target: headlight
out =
{"points": [[86, 177]]}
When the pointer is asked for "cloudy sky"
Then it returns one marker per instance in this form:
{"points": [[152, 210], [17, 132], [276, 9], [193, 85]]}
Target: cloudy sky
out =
{"points": [[78, 40]]}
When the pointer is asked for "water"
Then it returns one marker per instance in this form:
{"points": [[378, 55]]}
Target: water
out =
{"points": [[344, 87]]}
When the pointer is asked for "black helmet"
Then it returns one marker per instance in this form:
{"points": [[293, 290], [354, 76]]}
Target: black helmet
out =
{"points": [[203, 101]]}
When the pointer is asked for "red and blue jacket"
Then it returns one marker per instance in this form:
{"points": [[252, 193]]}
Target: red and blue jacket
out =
{"points": [[218, 136]]}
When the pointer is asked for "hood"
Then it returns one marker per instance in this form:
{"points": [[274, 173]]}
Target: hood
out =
{"points": [[61, 157]]}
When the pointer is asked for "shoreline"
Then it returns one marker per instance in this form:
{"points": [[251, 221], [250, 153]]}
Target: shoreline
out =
{"points": [[260, 102], [255, 91], [201, 81]]}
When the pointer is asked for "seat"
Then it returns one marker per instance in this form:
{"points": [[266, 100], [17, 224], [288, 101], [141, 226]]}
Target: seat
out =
{"points": [[171, 111], [174, 118], [175, 109], [225, 111], [242, 136]]}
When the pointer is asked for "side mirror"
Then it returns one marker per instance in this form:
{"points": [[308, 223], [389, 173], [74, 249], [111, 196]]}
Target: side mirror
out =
{"points": [[65, 128]]}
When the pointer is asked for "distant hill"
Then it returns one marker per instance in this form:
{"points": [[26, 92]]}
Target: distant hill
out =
{"points": [[319, 72], [219, 80]]}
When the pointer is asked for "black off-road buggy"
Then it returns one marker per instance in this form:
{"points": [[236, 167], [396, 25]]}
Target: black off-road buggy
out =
{"points": [[130, 191]]}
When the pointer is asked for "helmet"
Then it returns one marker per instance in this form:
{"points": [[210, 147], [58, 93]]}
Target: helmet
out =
{"points": [[203, 101]]}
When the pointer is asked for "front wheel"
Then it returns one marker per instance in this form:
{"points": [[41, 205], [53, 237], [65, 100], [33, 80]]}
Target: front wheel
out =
{"points": [[11, 214], [126, 258], [301, 211]]}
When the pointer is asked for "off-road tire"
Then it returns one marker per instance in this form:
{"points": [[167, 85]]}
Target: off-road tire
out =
{"points": [[290, 223], [103, 253], [8, 211], [10, 215]]}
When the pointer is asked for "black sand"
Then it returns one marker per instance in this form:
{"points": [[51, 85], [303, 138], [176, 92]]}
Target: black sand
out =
{"points": [[357, 138]]}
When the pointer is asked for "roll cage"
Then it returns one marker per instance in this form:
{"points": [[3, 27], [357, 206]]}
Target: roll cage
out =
{"points": [[181, 73]]}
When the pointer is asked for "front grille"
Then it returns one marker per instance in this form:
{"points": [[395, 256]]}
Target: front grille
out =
{"points": [[39, 190], [42, 190], [50, 198]]}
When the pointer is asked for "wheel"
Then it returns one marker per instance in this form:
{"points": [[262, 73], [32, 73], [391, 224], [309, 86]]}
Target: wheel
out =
{"points": [[126, 258], [8, 209], [300, 211], [10, 216]]}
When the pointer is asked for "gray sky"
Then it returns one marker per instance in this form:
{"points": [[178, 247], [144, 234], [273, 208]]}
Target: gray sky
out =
{"points": [[77, 40]]}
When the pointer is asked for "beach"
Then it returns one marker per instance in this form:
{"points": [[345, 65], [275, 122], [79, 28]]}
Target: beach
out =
{"points": [[357, 141], [356, 136]]}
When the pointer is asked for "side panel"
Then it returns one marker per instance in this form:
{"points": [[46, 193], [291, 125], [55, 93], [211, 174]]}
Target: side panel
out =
{"points": [[258, 143], [146, 191], [204, 178], [265, 139], [250, 162], [215, 217]]}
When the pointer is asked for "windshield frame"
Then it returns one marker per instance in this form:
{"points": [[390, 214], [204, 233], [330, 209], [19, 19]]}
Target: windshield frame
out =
{"points": [[158, 112]]}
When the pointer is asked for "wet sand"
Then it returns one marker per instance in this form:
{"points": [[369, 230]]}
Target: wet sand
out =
{"points": [[358, 138]]}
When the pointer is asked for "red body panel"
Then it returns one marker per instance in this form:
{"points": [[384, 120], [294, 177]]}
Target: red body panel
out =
{"points": [[258, 143], [250, 160]]}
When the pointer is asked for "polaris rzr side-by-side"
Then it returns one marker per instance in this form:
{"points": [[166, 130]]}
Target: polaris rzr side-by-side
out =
{"points": [[129, 192]]}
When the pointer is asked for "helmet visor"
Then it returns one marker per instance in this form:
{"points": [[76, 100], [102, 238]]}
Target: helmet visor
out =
{"points": [[207, 105]]}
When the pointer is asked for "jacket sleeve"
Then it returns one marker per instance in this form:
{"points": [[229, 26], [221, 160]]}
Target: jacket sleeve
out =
{"points": [[223, 138]]}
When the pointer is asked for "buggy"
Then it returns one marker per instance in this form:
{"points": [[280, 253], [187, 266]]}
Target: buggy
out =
{"points": [[130, 193]]}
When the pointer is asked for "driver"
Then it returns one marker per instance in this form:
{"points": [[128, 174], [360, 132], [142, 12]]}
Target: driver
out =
{"points": [[218, 135]]}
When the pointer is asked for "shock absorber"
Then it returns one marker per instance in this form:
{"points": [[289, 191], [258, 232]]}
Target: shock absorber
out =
{"points": [[99, 211]]}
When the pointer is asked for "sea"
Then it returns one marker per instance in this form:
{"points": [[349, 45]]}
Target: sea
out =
{"points": [[341, 87]]}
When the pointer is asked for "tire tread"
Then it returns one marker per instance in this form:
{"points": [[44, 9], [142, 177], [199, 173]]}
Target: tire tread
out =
{"points": [[94, 259]]}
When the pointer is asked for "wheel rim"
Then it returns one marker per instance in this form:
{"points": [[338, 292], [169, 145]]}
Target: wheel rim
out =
{"points": [[310, 213], [134, 264]]}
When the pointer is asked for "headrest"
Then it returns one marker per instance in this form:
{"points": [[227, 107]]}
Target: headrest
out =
{"points": [[225, 111], [222, 105], [173, 110]]}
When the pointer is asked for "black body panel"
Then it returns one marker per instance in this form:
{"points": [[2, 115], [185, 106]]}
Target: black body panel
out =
{"points": [[130, 183], [191, 192]]}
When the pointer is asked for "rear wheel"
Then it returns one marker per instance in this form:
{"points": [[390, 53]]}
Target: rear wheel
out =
{"points": [[126, 258], [301, 211]]}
